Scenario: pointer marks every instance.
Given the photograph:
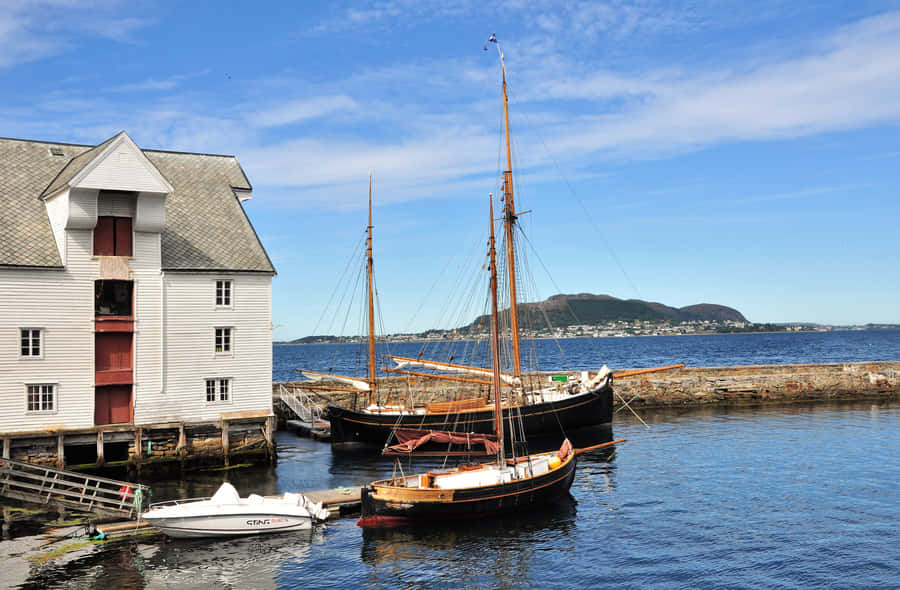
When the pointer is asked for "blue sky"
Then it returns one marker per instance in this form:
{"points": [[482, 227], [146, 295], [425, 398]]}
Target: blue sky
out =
{"points": [[746, 154]]}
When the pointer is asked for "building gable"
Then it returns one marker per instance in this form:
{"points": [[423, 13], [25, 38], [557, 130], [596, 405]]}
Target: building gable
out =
{"points": [[121, 166]]}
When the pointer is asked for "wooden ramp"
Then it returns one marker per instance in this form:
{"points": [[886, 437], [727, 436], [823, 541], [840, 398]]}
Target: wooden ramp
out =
{"points": [[339, 501], [79, 491], [319, 430]]}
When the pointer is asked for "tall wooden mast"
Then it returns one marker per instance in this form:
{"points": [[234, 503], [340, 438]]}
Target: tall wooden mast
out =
{"points": [[509, 220], [369, 271], [495, 338]]}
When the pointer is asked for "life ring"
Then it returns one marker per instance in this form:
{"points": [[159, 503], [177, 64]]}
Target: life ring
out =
{"points": [[125, 492]]}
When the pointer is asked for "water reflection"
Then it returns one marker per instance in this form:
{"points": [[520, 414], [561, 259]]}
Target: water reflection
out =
{"points": [[252, 562], [214, 564], [457, 550]]}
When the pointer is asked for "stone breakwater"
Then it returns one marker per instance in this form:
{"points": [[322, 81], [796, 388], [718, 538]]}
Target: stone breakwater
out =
{"points": [[761, 383], [688, 386]]}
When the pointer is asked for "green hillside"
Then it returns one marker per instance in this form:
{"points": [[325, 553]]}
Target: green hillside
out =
{"points": [[585, 308]]}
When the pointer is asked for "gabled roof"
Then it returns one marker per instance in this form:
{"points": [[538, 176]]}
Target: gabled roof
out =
{"points": [[206, 226]]}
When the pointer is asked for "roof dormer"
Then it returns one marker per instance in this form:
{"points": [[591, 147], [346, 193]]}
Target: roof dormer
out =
{"points": [[115, 167]]}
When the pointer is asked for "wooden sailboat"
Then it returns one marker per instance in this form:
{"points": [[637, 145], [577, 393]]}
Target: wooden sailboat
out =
{"points": [[583, 399], [470, 491]]}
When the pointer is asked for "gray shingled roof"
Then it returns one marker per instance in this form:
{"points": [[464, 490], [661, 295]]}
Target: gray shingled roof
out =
{"points": [[206, 227]]}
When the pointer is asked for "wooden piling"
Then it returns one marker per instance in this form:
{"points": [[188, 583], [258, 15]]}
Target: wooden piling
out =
{"points": [[100, 460], [60, 451], [226, 442]]}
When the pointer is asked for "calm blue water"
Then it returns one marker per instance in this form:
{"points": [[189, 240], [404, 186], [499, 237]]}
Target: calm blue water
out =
{"points": [[785, 496], [774, 497], [618, 353]]}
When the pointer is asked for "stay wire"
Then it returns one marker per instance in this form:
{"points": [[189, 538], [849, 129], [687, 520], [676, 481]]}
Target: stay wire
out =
{"points": [[584, 208]]}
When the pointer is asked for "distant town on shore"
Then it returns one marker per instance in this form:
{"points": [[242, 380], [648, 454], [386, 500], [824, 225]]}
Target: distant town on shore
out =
{"points": [[602, 316]]}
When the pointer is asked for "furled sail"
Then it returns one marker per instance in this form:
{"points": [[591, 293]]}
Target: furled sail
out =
{"points": [[403, 362], [317, 376], [412, 439]]}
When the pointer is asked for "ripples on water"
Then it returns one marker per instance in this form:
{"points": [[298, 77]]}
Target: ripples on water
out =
{"points": [[783, 497]]}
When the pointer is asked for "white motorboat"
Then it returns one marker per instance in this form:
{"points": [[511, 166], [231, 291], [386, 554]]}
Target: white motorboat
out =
{"points": [[227, 514]]}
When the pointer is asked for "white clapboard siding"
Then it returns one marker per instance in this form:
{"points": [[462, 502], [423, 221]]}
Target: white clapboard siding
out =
{"points": [[147, 324], [189, 352], [116, 204], [58, 211], [150, 212], [122, 168], [61, 303], [82, 209]]}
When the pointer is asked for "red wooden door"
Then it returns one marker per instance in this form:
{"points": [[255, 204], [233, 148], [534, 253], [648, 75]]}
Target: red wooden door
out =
{"points": [[112, 405], [112, 236]]}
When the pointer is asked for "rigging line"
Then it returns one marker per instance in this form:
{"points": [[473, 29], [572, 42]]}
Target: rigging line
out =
{"points": [[584, 208], [353, 291], [451, 295], [442, 275], [549, 276], [541, 307], [530, 293], [346, 288], [386, 344], [338, 288]]}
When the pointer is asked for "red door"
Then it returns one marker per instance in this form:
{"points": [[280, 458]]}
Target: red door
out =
{"points": [[112, 404], [113, 378]]}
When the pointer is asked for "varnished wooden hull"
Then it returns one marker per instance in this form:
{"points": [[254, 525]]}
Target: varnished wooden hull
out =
{"points": [[351, 429], [384, 508]]}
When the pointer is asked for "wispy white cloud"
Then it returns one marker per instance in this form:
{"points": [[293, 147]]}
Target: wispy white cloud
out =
{"points": [[851, 81], [799, 194], [298, 111], [35, 29], [152, 84]]}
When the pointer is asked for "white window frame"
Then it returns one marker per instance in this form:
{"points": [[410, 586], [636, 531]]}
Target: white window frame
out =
{"points": [[54, 392], [227, 286], [41, 340], [229, 338], [217, 392]]}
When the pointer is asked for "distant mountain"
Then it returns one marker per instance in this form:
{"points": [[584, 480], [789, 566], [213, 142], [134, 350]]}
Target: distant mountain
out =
{"points": [[589, 309], [584, 309]]}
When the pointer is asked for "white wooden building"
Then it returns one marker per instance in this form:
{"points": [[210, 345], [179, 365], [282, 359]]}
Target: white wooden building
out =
{"points": [[133, 289]]}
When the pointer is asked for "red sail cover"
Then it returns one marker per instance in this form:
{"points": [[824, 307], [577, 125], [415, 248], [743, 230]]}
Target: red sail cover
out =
{"points": [[411, 439]]}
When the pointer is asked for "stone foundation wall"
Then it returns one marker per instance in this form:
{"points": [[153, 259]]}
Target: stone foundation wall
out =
{"points": [[146, 447]]}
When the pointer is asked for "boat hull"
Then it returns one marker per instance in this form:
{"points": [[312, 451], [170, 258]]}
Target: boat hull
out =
{"points": [[230, 525], [380, 509], [358, 430]]}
